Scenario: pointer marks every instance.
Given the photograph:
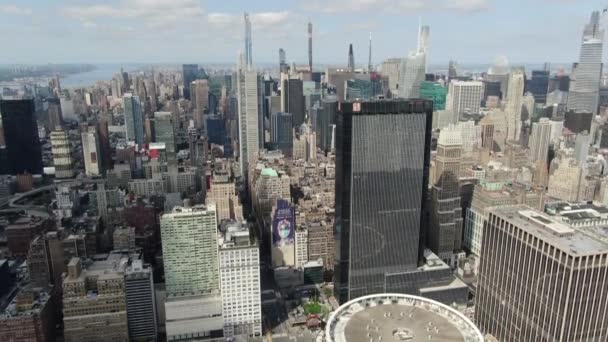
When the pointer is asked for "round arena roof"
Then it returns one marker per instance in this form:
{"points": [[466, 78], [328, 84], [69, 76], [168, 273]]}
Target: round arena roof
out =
{"points": [[397, 317]]}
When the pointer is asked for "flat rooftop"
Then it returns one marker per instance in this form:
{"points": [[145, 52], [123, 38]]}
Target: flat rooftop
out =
{"points": [[574, 241], [392, 317]]}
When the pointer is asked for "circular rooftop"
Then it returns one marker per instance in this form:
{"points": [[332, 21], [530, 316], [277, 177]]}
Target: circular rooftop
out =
{"points": [[397, 317]]}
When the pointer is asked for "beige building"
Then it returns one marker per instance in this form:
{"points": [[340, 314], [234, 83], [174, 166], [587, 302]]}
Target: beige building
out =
{"points": [[567, 182], [542, 278], [223, 193], [94, 302]]}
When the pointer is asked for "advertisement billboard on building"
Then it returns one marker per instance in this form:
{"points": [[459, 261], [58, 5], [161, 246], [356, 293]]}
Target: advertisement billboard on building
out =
{"points": [[283, 224]]}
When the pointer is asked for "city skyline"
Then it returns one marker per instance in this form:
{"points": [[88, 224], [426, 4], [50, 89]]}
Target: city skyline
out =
{"points": [[71, 31]]}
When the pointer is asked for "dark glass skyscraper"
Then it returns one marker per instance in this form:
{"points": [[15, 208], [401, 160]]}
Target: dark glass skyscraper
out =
{"points": [[281, 132], [24, 153], [382, 170], [294, 100], [190, 74], [538, 85], [325, 121]]}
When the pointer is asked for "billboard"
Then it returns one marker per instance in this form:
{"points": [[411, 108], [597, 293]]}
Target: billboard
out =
{"points": [[283, 224]]}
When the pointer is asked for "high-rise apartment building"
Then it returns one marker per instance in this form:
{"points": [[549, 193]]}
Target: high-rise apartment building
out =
{"points": [[541, 279], [464, 97], [540, 140], [134, 118], [378, 225], [515, 94], [90, 150], [62, 154], [239, 262], [445, 233], [24, 153], [584, 82], [248, 43]]}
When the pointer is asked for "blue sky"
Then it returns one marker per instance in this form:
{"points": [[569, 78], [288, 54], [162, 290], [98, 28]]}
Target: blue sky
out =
{"points": [[176, 31]]}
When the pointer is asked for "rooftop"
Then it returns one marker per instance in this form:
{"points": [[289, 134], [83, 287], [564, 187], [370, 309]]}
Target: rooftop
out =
{"points": [[574, 241], [396, 317]]}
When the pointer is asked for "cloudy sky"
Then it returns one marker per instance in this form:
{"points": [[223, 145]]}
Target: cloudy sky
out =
{"points": [[177, 31]]}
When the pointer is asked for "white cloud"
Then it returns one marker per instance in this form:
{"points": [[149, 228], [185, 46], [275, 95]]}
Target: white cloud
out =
{"points": [[15, 10], [467, 5]]}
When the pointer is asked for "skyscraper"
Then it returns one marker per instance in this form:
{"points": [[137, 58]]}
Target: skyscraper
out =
{"points": [[445, 233], [310, 46], [585, 79], [189, 74], [378, 224], [281, 132], [248, 110], [62, 154], [369, 61], [248, 56], [200, 96], [140, 300], [90, 150], [164, 130], [540, 278], [539, 85], [413, 67], [540, 139], [351, 59], [21, 136], [515, 95], [134, 118], [282, 60], [292, 98], [463, 97], [326, 120]]}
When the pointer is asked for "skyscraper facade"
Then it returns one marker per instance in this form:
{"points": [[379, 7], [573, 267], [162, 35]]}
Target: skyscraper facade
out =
{"points": [[515, 95], [134, 118], [310, 46], [586, 74], [164, 132], [200, 95], [539, 85], [351, 59], [281, 132], [292, 98], [539, 140], [90, 150], [464, 97], [378, 224], [413, 67], [248, 110], [248, 55], [434, 92], [190, 251], [21, 136], [325, 122], [445, 233], [62, 154], [541, 279], [189, 75]]}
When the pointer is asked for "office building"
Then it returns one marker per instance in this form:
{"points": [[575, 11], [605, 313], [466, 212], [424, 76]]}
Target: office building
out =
{"points": [[190, 252], [351, 59], [103, 130], [189, 74], [90, 150], [28, 315], [434, 92], [292, 99], [541, 278], [62, 154], [325, 123], [538, 85], [463, 97], [577, 122], [281, 132], [248, 111], [390, 69], [566, 182], [380, 227], [239, 257], [337, 78], [24, 154], [190, 234], [140, 302], [445, 233], [94, 302], [200, 97], [586, 74], [413, 67], [223, 193], [540, 140], [309, 46], [216, 130], [20, 233], [164, 132], [134, 118], [581, 147]]}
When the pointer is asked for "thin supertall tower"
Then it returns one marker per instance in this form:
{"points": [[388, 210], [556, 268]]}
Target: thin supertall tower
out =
{"points": [[248, 58], [351, 59], [310, 46], [369, 62]]}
